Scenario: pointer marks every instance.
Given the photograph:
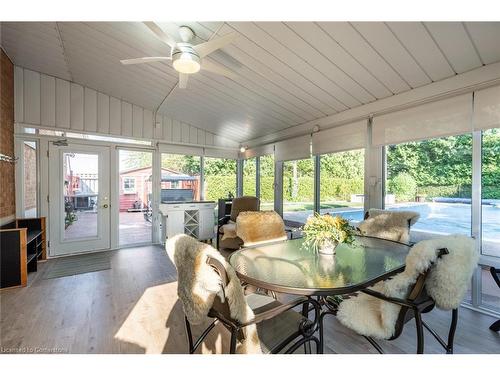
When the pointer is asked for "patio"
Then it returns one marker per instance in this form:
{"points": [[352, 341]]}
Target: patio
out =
{"points": [[133, 229]]}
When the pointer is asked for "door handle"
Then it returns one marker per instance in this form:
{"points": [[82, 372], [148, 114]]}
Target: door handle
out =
{"points": [[104, 206]]}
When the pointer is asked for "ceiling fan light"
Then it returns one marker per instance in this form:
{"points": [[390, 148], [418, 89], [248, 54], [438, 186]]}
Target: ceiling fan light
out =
{"points": [[186, 63]]}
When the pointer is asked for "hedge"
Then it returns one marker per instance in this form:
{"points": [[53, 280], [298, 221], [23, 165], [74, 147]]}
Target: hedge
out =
{"points": [[217, 187], [331, 189], [458, 191]]}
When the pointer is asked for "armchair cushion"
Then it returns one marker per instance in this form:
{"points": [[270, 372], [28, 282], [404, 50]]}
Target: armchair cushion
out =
{"points": [[262, 226]]}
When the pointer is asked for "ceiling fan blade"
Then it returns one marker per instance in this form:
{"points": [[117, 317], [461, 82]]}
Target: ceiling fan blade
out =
{"points": [[214, 67], [162, 35], [142, 60], [204, 49], [183, 79]]}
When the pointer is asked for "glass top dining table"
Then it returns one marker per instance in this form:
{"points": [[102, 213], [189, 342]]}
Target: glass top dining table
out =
{"points": [[292, 267]]}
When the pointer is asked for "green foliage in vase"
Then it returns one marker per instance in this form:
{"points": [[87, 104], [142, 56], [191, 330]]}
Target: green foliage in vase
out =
{"points": [[319, 229]]}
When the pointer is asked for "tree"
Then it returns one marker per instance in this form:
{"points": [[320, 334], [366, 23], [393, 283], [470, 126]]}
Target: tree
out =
{"points": [[135, 159], [441, 161], [221, 167]]}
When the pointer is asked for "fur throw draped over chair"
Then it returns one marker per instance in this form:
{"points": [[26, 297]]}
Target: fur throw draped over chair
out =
{"points": [[389, 225], [259, 227], [199, 284], [447, 283]]}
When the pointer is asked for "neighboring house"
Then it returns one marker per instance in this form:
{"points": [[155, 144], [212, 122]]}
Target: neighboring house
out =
{"points": [[135, 186]]}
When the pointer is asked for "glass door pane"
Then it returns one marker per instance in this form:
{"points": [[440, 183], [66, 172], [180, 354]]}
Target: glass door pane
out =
{"points": [[491, 192], [81, 190], [267, 182], [490, 214], [135, 210], [342, 184], [220, 178], [434, 178], [298, 190], [180, 178], [249, 177]]}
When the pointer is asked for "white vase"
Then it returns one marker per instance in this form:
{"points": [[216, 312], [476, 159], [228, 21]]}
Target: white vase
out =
{"points": [[328, 247]]}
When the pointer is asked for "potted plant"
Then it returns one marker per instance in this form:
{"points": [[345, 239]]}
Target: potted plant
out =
{"points": [[323, 233]]}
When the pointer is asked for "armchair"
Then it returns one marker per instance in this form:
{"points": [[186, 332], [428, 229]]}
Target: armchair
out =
{"points": [[227, 223]]}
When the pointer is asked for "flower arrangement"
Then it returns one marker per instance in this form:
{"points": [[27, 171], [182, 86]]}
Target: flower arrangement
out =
{"points": [[324, 232]]}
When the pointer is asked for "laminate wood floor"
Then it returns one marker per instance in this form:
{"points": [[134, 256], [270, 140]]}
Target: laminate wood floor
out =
{"points": [[133, 308]]}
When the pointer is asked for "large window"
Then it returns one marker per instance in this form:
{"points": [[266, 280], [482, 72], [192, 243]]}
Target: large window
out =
{"points": [[434, 178], [135, 169], [342, 184], [249, 177], [180, 178], [266, 182], [220, 178], [490, 213], [298, 189], [491, 192]]}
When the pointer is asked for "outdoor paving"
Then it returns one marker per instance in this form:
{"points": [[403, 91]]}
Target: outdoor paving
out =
{"points": [[134, 228], [84, 226]]}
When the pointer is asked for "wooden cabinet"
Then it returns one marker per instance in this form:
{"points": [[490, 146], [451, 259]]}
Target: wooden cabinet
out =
{"points": [[22, 246], [196, 219]]}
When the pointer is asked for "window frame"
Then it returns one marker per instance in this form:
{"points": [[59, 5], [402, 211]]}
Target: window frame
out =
{"points": [[129, 190]]}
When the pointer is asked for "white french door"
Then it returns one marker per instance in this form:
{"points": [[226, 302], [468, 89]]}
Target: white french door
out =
{"points": [[79, 201]]}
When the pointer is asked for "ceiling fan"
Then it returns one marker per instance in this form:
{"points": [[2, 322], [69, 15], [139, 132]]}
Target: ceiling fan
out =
{"points": [[187, 58]]}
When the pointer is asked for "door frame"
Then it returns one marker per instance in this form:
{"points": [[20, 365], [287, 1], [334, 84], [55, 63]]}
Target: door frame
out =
{"points": [[103, 240]]}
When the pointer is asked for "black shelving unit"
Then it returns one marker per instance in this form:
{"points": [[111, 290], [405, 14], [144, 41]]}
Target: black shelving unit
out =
{"points": [[22, 246]]}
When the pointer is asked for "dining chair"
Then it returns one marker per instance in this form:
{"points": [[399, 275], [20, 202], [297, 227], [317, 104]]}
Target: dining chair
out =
{"points": [[495, 273], [437, 273], [388, 224], [226, 225], [209, 287]]}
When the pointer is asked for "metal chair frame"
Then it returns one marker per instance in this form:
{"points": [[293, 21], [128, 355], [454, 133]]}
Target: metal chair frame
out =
{"points": [[495, 273], [220, 313], [417, 303]]}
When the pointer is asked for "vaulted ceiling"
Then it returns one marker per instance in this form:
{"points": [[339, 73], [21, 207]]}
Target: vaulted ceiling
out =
{"points": [[287, 73]]}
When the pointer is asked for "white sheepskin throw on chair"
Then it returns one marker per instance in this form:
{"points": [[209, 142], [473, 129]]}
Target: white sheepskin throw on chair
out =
{"points": [[260, 226], [389, 225], [199, 284], [446, 283]]}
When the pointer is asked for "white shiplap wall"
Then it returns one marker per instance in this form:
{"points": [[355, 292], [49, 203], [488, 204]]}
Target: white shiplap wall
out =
{"points": [[45, 101]]}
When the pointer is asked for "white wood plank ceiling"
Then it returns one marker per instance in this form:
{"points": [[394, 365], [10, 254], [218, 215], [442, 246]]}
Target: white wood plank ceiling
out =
{"points": [[287, 73]]}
